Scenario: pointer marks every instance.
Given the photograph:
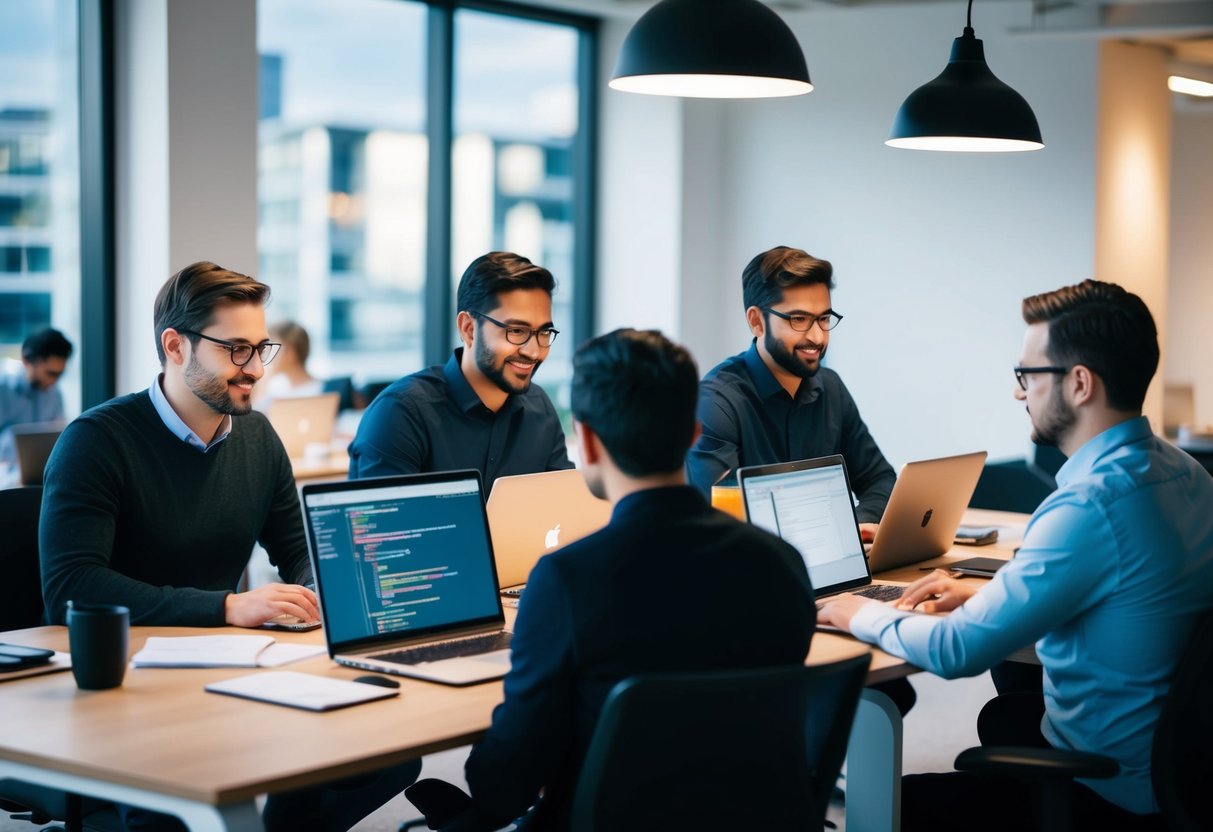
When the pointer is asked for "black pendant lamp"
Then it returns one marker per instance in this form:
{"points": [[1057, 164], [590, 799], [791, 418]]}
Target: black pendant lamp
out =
{"points": [[966, 108], [711, 49]]}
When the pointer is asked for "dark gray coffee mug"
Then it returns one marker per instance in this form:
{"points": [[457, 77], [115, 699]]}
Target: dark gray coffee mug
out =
{"points": [[98, 635]]}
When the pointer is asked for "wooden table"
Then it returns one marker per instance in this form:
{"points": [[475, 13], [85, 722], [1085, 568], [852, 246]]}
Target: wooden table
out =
{"points": [[162, 742]]}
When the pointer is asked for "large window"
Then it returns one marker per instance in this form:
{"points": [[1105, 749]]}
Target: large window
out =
{"points": [[39, 178], [516, 126], [362, 226], [342, 181]]}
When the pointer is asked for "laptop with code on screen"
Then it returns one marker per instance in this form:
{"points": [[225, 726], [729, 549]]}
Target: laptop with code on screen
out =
{"points": [[808, 503], [405, 574]]}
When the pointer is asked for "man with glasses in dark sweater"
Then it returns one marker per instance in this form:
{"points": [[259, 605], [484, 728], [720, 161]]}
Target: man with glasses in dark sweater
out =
{"points": [[154, 500]]}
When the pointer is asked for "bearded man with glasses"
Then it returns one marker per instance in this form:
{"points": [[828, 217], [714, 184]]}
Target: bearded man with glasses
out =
{"points": [[479, 410], [154, 501], [775, 402]]}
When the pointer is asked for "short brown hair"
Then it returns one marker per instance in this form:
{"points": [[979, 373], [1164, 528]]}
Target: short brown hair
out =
{"points": [[1104, 328], [768, 274], [190, 297]]}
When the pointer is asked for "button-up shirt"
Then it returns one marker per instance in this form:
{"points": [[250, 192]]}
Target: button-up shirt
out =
{"points": [[178, 427], [749, 419], [433, 420], [1114, 570]]}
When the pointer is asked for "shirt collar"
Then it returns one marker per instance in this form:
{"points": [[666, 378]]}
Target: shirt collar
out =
{"points": [[461, 392], [1084, 459], [178, 427], [659, 503], [767, 385]]}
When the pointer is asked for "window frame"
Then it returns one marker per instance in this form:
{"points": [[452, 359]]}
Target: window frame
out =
{"points": [[439, 331]]}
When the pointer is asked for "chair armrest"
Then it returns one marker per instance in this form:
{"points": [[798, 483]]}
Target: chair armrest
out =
{"points": [[1036, 763]]}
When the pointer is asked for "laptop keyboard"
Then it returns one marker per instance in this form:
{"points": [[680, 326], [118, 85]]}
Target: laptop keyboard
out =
{"points": [[473, 646], [877, 592]]}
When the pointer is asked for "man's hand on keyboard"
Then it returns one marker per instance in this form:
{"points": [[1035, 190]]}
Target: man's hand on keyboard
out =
{"points": [[937, 592], [839, 609]]}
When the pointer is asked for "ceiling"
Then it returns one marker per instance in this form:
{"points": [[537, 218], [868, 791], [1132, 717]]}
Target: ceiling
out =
{"points": [[1185, 27]]}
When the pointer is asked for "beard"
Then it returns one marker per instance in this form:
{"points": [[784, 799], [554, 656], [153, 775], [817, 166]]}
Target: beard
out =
{"points": [[496, 373], [215, 391], [788, 360], [1050, 426]]}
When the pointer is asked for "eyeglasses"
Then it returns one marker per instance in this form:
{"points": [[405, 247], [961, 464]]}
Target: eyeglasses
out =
{"points": [[242, 354], [519, 335], [1022, 373], [803, 323]]}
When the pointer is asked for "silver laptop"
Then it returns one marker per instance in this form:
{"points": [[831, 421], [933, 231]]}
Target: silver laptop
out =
{"points": [[924, 510], [300, 421], [808, 503], [32, 443], [404, 570], [533, 514]]}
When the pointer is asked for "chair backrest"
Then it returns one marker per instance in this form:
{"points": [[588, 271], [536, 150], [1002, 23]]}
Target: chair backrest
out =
{"points": [[21, 581], [754, 749], [1012, 486], [1182, 764]]}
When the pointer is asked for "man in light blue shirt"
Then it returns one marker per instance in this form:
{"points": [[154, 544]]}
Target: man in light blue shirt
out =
{"points": [[28, 391], [1115, 568]]}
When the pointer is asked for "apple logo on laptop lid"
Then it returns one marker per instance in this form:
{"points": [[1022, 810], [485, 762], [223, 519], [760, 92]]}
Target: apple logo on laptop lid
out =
{"points": [[552, 539], [926, 518]]}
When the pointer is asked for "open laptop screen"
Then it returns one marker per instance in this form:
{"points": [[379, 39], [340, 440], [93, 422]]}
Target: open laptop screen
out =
{"points": [[402, 557], [809, 505]]}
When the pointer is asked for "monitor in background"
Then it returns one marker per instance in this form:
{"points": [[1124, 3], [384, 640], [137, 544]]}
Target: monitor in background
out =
{"points": [[33, 443]]}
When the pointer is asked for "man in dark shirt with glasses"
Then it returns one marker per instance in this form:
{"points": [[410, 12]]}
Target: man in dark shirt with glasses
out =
{"points": [[775, 402], [480, 410]]}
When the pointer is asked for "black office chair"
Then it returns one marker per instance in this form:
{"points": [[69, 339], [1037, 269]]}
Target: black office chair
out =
{"points": [[1012, 486], [751, 749], [21, 588], [1181, 766], [1049, 459], [369, 391], [21, 607]]}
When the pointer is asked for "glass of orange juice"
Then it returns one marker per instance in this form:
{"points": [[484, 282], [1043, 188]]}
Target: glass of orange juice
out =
{"points": [[727, 498]]}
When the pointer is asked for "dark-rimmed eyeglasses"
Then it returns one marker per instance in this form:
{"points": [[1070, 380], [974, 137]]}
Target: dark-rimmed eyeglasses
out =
{"points": [[1022, 373], [519, 335], [800, 322], [242, 354]]}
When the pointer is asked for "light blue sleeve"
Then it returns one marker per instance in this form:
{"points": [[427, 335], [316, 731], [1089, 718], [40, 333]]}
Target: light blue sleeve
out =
{"points": [[1065, 566]]}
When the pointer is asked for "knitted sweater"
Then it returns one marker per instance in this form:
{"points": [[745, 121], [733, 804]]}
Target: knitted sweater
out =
{"points": [[132, 515]]}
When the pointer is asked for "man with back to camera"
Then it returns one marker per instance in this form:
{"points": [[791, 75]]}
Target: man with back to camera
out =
{"points": [[154, 500], [29, 392], [775, 402], [1108, 583], [481, 409], [665, 560]]}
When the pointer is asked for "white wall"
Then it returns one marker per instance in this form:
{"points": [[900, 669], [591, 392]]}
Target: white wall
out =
{"points": [[932, 252], [1189, 342]]}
